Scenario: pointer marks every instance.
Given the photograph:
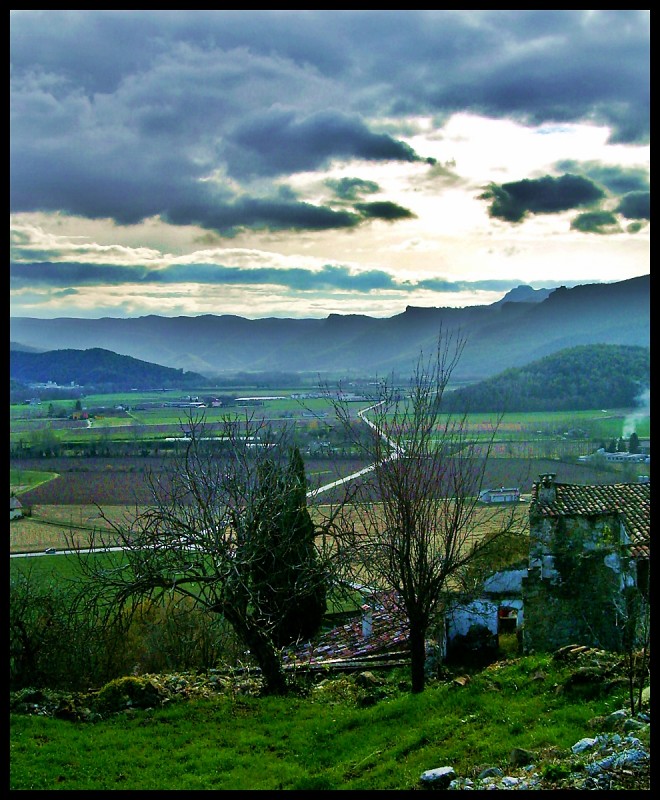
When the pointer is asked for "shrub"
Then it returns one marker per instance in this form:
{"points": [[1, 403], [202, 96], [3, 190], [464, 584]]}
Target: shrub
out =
{"points": [[556, 772], [157, 637], [128, 692]]}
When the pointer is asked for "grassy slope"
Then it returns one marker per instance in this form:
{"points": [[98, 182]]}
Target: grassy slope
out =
{"points": [[338, 736]]}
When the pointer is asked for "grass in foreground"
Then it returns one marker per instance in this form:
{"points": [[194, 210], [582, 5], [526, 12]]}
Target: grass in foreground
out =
{"points": [[336, 736]]}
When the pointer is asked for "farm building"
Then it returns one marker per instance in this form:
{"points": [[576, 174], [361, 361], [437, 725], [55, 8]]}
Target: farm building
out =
{"points": [[620, 458], [15, 508], [477, 623], [589, 554], [501, 495]]}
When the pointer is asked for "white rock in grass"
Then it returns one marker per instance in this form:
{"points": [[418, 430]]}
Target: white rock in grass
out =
{"points": [[438, 778]]}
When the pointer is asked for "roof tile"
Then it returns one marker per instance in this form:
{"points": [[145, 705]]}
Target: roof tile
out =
{"points": [[631, 500]]}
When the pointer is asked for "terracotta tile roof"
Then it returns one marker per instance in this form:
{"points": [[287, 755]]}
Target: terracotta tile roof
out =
{"points": [[631, 500], [389, 632]]}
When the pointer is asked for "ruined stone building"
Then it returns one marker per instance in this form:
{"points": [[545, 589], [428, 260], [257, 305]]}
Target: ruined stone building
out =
{"points": [[588, 564]]}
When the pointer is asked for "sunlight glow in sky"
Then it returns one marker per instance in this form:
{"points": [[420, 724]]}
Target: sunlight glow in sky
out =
{"points": [[303, 163]]}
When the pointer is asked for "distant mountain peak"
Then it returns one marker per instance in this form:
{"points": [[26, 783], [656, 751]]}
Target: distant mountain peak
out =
{"points": [[524, 294]]}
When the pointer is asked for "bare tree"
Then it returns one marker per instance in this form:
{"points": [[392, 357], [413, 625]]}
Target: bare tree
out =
{"points": [[419, 525], [206, 536], [634, 612]]}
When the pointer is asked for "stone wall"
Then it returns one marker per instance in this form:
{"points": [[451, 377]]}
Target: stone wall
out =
{"points": [[573, 591]]}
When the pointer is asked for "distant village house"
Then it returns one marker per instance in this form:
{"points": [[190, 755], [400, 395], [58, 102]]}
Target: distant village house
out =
{"points": [[501, 495], [15, 508]]}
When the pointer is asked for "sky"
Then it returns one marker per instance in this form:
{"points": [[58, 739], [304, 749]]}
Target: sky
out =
{"points": [[305, 163]]}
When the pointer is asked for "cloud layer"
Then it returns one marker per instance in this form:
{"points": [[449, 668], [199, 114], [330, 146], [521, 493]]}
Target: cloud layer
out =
{"points": [[272, 123]]}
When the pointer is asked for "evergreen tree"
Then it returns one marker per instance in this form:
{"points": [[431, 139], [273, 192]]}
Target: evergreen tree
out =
{"points": [[289, 585], [611, 447], [621, 445], [633, 443]]}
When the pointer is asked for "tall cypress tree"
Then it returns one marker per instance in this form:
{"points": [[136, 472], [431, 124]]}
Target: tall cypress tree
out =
{"points": [[289, 584]]}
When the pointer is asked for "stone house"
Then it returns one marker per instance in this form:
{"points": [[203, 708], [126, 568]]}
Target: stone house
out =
{"points": [[588, 560], [589, 555], [498, 609], [589, 549]]}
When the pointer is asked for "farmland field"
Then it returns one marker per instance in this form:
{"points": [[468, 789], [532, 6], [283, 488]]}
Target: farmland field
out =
{"points": [[22, 480], [105, 461], [116, 485], [48, 526], [109, 481], [131, 417]]}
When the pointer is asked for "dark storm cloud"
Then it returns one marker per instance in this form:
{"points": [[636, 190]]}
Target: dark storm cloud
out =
{"points": [[329, 277], [629, 184], [617, 180], [132, 114], [48, 273], [635, 205], [278, 142], [351, 188], [596, 222], [275, 214], [560, 66], [77, 274], [383, 210], [512, 201], [53, 275]]}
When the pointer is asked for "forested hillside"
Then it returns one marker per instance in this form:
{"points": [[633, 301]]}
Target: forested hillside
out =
{"points": [[578, 378], [97, 368]]}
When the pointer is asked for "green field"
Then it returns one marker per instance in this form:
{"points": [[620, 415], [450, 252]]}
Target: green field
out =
{"points": [[142, 422], [21, 480]]}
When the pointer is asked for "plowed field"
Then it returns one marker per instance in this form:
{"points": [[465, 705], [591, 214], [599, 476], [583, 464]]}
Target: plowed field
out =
{"points": [[105, 481]]}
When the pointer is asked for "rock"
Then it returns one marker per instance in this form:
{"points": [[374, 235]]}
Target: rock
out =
{"points": [[633, 725], [615, 719], [491, 772], [519, 757], [508, 782], [438, 778], [366, 680], [584, 744]]}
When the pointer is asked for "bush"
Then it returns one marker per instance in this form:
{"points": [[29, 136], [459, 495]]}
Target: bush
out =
{"points": [[175, 635], [128, 692], [556, 772], [478, 646], [157, 637]]}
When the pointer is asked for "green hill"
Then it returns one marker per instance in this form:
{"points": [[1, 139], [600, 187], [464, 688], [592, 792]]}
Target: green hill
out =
{"points": [[578, 378], [98, 369]]}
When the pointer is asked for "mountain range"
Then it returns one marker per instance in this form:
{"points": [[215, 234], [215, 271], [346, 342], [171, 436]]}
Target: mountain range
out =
{"points": [[524, 326]]}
